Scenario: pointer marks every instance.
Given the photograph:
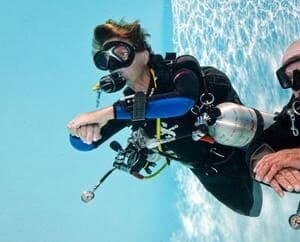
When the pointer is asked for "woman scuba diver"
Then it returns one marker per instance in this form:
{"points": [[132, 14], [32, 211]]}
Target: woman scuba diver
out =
{"points": [[166, 99]]}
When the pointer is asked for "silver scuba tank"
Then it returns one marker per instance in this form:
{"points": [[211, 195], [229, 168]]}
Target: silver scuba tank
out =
{"points": [[238, 125]]}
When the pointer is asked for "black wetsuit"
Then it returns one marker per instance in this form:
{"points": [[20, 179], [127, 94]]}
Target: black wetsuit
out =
{"points": [[277, 137], [221, 169]]}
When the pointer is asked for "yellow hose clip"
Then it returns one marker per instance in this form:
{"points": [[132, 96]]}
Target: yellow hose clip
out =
{"points": [[96, 87]]}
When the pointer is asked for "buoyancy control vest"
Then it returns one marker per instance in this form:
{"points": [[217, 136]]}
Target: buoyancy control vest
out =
{"points": [[211, 80]]}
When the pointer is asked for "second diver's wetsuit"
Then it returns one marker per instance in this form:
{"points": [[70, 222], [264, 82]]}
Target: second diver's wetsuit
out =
{"points": [[221, 169], [277, 137]]}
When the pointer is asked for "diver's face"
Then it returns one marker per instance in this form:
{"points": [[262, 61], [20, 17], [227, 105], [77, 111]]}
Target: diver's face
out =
{"points": [[115, 54], [293, 70], [138, 64]]}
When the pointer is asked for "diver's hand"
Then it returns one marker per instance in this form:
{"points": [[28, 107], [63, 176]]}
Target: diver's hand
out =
{"points": [[286, 178], [270, 164], [87, 126], [88, 133]]}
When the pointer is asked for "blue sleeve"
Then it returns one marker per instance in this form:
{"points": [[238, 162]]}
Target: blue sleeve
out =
{"points": [[79, 145], [170, 104]]}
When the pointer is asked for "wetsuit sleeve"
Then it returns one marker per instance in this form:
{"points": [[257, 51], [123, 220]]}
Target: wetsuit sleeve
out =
{"points": [[111, 128], [166, 105]]}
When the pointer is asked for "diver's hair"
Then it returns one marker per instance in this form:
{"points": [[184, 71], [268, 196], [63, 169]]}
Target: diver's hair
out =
{"points": [[130, 31]]}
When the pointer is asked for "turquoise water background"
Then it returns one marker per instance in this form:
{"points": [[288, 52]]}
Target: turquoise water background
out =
{"points": [[46, 75]]}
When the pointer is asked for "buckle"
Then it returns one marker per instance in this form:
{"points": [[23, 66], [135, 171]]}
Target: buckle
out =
{"points": [[210, 170]]}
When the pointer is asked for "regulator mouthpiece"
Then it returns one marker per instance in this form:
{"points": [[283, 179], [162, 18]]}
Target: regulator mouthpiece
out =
{"points": [[112, 82], [87, 196]]}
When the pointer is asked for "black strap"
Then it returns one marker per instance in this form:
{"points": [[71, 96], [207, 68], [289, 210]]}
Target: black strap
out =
{"points": [[260, 124], [189, 62], [170, 56], [139, 110]]}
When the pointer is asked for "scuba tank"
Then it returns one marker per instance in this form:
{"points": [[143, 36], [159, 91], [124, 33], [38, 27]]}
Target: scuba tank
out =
{"points": [[236, 125]]}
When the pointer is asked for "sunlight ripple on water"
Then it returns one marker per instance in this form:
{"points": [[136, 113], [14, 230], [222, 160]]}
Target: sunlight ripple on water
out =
{"points": [[245, 39]]}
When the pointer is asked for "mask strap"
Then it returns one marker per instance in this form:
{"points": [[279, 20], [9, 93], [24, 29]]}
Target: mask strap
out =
{"points": [[296, 80]]}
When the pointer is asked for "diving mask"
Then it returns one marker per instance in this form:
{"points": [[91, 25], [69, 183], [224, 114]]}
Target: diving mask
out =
{"points": [[285, 80], [114, 55]]}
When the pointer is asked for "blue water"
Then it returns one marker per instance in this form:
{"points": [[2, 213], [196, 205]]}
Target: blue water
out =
{"points": [[245, 39]]}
